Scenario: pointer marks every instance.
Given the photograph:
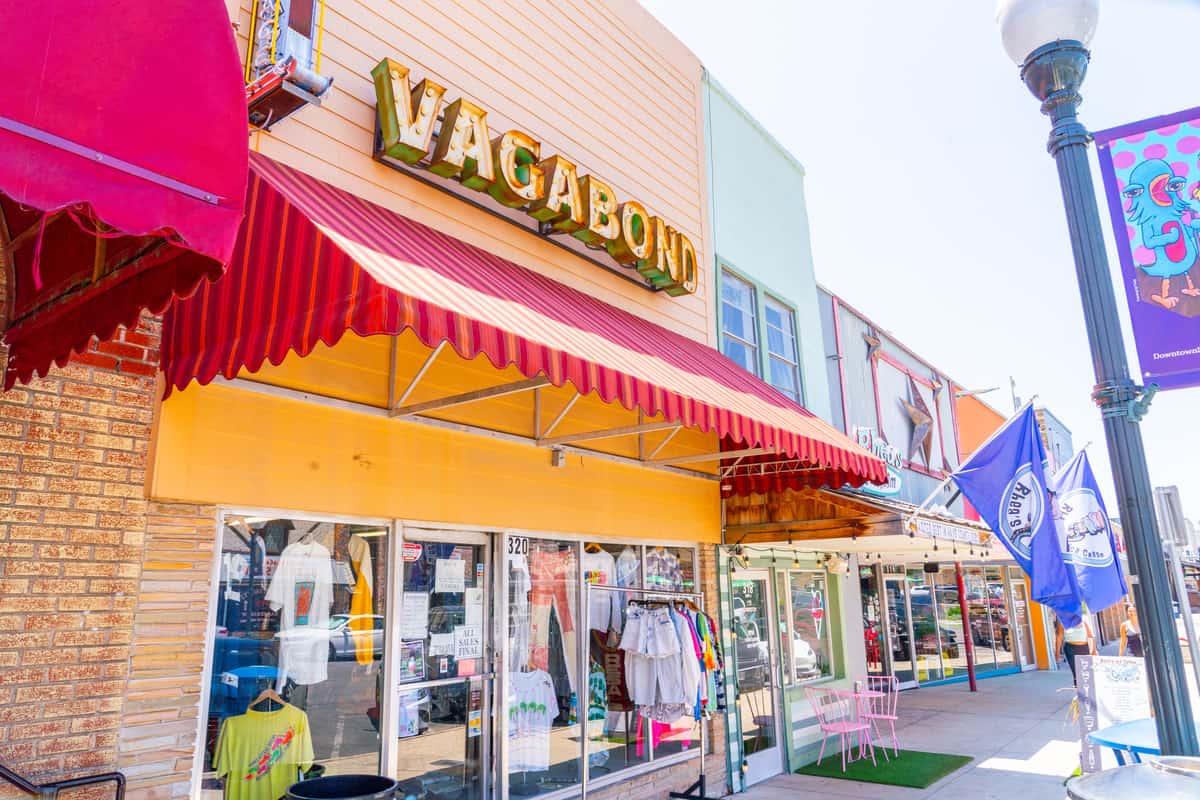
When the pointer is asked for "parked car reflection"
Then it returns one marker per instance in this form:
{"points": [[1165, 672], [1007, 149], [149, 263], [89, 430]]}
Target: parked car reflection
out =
{"points": [[343, 640]]}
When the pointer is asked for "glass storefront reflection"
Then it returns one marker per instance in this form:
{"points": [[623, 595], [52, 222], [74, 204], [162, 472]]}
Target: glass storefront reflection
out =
{"points": [[979, 619], [927, 643], [999, 608], [913, 625]]}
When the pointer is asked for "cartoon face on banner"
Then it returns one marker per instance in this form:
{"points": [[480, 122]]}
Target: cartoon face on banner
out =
{"points": [[1084, 529], [1152, 176]]}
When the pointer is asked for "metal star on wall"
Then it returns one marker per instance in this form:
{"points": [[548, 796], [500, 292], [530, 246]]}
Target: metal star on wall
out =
{"points": [[873, 342], [922, 423]]}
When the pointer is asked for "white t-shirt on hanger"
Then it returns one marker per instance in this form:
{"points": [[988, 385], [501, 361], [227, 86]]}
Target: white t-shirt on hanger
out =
{"points": [[532, 707], [302, 590]]}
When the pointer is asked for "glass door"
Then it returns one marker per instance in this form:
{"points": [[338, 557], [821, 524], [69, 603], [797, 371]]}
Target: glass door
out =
{"points": [[873, 621], [899, 647], [1024, 628], [756, 663], [442, 667]]}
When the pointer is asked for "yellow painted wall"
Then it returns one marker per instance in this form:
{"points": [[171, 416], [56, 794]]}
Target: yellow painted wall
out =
{"points": [[600, 82], [232, 447]]}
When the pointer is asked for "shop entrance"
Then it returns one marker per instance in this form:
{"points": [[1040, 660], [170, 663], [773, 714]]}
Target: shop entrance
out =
{"points": [[757, 659], [899, 630], [1024, 628], [443, 666]]}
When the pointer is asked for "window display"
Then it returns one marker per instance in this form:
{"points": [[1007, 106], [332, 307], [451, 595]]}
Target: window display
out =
{"points": [[810, 642], [631, 711], [299, 613]]}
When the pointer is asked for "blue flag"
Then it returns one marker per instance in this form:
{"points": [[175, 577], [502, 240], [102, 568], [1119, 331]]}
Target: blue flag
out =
{"points": [[1085, 534], [1006, 482]]}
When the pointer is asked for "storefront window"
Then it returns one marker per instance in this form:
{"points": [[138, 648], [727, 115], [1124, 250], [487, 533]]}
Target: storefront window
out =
{"points": [[613, 722], [950, 623], [299, 640], [998, 607], [672, 569], [874, 636], [980, 622], [543, 612], [544, 706], [924, 626], [810, 641]]}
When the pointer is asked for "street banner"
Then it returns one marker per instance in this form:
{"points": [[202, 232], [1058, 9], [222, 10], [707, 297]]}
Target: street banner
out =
{"points": [[1006, 482], [1110, 691], [1085, 534], [1152, 178]]}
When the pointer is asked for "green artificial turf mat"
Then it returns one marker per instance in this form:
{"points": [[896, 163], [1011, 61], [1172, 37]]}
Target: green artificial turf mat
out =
{"points": [[911, 768]]}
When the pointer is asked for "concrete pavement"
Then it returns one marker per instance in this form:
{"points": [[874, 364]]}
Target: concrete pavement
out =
{"points": [[1015, 727]]}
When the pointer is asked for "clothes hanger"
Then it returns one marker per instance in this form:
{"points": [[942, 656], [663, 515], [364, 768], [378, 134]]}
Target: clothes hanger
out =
{"points": [[592, 547], [267, 694]]}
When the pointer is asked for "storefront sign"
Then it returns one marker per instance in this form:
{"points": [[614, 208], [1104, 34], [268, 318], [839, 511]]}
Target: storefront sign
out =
{"points": [[947, 530], [511, 168], [412, 661], [872, 441], [410, 552], [1111, 691], [468, 641]]}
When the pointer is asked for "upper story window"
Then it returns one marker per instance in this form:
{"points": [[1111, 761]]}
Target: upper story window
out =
{"points": [[739, 326], [783, 364], [759, 333]]}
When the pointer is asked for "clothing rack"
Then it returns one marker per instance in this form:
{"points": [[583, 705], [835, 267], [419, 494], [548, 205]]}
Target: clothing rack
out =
{"points": [[697, 790]]}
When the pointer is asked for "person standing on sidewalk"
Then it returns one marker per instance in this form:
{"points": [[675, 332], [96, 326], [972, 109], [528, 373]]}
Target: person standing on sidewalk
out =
{"points": [[1131, 634], [1073, 642]]}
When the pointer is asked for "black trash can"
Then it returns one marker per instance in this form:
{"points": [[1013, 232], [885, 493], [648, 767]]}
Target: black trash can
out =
{"points": [[344, 787]]}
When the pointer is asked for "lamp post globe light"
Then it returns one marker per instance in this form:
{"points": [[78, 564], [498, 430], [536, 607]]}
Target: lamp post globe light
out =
{"points": [[1049, 40]]}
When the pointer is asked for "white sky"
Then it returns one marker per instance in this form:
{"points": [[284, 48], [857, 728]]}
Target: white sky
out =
{"points": [[934, 206]]}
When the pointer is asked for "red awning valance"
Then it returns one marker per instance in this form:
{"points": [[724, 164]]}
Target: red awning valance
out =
{"points": [[122, 165], [313, 262]]}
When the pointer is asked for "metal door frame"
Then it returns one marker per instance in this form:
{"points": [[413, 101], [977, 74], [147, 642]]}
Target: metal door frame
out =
{"points": [[773, 669], [912, 683], [1027, 628], [488, 670]]}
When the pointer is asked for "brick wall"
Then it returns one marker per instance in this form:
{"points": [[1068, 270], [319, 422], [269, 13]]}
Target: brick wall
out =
{"points": [[73, 449], [162, 700]]}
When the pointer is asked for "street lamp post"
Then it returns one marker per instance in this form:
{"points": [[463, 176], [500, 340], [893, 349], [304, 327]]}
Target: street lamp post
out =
{"points": [[1048, 39]]}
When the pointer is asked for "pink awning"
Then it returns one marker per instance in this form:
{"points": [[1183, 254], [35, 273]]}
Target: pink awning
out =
{"points": [[123, 147], [314, 262]]}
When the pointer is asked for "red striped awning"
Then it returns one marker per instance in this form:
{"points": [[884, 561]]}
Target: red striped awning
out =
{"points": [[122, 166], [313, 262]]}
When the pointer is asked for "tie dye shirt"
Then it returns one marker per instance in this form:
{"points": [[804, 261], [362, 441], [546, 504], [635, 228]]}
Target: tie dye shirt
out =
{"points": [[262, 753]]}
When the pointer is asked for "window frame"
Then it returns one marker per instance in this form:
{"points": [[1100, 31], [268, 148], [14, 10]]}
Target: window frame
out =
{"points": [[768, 355], [762, 352], [826, 636], [755, 322]]}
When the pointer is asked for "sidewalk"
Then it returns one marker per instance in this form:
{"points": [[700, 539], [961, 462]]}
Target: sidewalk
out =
{"points": [[1015, 728]]}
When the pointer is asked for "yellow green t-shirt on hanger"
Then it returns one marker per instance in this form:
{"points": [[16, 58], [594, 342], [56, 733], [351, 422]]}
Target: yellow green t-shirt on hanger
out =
{"points": [[262, 753]]}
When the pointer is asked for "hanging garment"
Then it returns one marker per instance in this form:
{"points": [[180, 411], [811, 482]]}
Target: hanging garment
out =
{"points": [[261, 753], [532, 707], [362, 620], [553, 588], [519, 587], [600, 569], [663, 571], [628, 575], [302, 590], [597, 712]]}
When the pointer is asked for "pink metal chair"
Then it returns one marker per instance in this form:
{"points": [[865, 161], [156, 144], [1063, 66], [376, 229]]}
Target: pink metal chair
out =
{"points": [[879, 705], [841, 713]]}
